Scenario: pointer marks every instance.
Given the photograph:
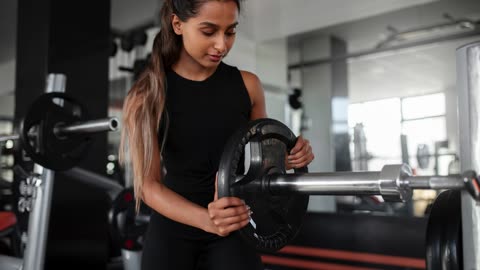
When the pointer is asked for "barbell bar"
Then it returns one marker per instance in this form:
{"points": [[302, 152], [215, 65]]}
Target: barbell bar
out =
{"points": [[56, 131], [279, 200], [87, 127], [394, 183]]}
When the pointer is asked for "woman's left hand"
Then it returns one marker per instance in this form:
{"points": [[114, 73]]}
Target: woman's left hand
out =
{"points": [[301, 154]]}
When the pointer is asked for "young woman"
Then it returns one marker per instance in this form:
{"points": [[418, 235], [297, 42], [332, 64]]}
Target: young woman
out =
{"points": [[203, 101]]}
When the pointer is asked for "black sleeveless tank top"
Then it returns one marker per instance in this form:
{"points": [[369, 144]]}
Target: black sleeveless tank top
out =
{"points": [[202, 115]]}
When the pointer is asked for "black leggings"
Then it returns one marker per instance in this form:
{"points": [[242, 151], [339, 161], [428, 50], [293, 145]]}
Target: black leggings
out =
{"points": [[171, 245]]}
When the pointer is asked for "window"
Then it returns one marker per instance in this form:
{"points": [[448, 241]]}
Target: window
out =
{"points": [[421, 119], [424, 123], [381, 124]]}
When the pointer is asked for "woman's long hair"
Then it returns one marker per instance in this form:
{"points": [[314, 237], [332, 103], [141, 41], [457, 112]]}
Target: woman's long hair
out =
{"points": [[145, 102]]}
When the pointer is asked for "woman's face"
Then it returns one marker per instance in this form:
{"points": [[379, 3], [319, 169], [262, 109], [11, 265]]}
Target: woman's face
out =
{"points": [[209, 36]]}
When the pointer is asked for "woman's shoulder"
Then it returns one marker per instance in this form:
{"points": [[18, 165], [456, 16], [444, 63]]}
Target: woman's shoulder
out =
{"points": [[245, 74], [249, 76], [251, 81]]}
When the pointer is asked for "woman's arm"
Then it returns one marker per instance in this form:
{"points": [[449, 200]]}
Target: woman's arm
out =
{"points": [[218, 220], [257, 97], [301, 154]]}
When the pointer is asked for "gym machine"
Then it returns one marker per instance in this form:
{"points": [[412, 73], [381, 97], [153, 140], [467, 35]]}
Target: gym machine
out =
{"points": [[55, 133], [127, 227]]}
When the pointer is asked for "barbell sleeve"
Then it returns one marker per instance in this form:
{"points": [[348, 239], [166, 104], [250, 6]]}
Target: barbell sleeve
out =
{"points": [[93, 126], [435, 182]]}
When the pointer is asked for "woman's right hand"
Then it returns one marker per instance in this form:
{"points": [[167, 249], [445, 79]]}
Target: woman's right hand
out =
{"points": [[227, 214]]}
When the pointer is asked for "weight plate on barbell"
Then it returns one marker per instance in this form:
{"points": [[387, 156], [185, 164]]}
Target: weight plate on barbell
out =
{"points": [[275, 219], [38, 137], [444, 232]]}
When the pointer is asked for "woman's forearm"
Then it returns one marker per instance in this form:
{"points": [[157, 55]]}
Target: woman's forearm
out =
{"points": [[173, 206]]}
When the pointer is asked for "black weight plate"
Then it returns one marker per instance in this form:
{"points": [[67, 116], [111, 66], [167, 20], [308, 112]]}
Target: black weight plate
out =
{"points": [[37, 134], [275, 219], [444, 233]]}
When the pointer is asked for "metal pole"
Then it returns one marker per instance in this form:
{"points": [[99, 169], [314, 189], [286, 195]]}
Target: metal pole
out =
{"points": [[468, 85], [94, 126], [353, 183], [34, 258], [38, 220], [96, 180], [435, 182], [56, 82], [131, 259]]}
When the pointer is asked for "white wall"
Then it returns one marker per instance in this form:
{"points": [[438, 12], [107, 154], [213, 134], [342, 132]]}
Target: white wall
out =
{"points": [[7, 105], [7, 77], [275, 103], [451, 111], [268, 60], [243, 54], [7, 84], [272, 63]]}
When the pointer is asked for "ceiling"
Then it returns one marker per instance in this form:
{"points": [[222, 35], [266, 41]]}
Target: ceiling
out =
{"points": [[272, 19], [413, 71], [261, 20], [417, 71]]}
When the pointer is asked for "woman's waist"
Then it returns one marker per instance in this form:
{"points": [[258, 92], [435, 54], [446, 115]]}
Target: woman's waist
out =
{"points": [[197, 190]]}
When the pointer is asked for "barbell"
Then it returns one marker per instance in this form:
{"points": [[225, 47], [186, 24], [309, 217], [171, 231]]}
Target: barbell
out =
{"points": [[56, 131], [279, 199]]}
